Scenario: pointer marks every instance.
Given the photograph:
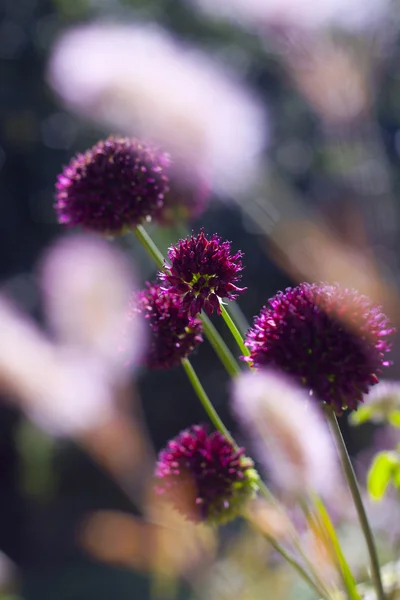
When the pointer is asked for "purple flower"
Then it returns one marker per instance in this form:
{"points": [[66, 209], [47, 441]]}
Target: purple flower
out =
{"points": [[204, 477], [332, 340], [112, 187], [202, 272], [173, 333]]}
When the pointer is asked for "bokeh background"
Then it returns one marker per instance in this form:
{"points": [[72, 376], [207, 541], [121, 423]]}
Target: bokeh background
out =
{"points": [[332, 181]]}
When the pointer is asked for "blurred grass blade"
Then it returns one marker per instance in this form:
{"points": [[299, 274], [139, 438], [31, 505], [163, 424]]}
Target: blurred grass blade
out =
{"points": [[330, 532], [381, 473]]}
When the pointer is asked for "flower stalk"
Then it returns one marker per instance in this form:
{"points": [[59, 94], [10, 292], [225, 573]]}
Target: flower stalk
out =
{"points": [[355, 492]]}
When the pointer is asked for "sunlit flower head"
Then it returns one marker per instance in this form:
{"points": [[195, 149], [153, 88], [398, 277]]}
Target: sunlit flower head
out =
{"points": [[141, 81], [202, 272], [204, 476], [173, 334], [332, 340], [289, 434], [87, 285], [112, 187]]}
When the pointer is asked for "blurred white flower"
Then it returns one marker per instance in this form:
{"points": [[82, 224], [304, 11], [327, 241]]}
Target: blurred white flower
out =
{"points": [[299, 14], [88, 286], [68, 387], [289, 433], [139, 81]]}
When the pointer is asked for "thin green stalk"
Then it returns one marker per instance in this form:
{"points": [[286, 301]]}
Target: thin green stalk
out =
{"points": [[238, 317], [149, 245], [205, 401], [221, 349], [216, 341], [355, 492], [234, 330]]}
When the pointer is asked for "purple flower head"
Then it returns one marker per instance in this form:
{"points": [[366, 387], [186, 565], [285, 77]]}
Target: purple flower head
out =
{"points": [[202, 272], [173, 333], [113, 186], [332, 340], [204, 477]]}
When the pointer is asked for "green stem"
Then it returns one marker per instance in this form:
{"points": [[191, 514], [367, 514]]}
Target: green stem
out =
{"points": [[355, 492], [238, 317], [221, 349], [216, 341], [205, 401], [316, 586], [149, 245], [234, 330]]}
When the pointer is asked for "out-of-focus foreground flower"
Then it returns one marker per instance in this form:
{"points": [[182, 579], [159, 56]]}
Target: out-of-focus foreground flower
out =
{"points": [[140, 81], [113, 186], [290, 435], [67, 387], [203, 272], [173, 333], [204, 477], [299, 14], [332, 340]]}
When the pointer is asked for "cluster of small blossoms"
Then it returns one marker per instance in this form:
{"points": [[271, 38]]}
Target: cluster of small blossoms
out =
{"points": [[173, 334], [204, 477], [203, 272], [331, 340]]}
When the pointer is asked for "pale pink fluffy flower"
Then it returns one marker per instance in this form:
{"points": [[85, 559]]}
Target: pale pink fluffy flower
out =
{"points": [[289, 433], [140, 81], [300, 14], [87, 286], [68, 386]]}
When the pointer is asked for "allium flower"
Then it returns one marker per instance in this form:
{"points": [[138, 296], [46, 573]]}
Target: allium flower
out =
{"points": [[204, 476], [202, 272], [332, 340], [173, 333], [290, 435], [113, 186]]}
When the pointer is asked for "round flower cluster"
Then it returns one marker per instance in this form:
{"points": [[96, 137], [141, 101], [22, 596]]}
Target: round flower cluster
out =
{"points": [[204, 477], [203, 272], [121, 182], [173, 334], [332, 340], [112, 187]]}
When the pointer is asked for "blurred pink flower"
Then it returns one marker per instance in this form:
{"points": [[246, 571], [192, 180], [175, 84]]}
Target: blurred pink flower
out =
{"points": [[289, 432], [140, 81], [299, 14], [87, 286], [68, 386]]}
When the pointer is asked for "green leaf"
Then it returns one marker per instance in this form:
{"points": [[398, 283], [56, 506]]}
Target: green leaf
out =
{"points": [[361, 415], [394, 418], [381, 473]]}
